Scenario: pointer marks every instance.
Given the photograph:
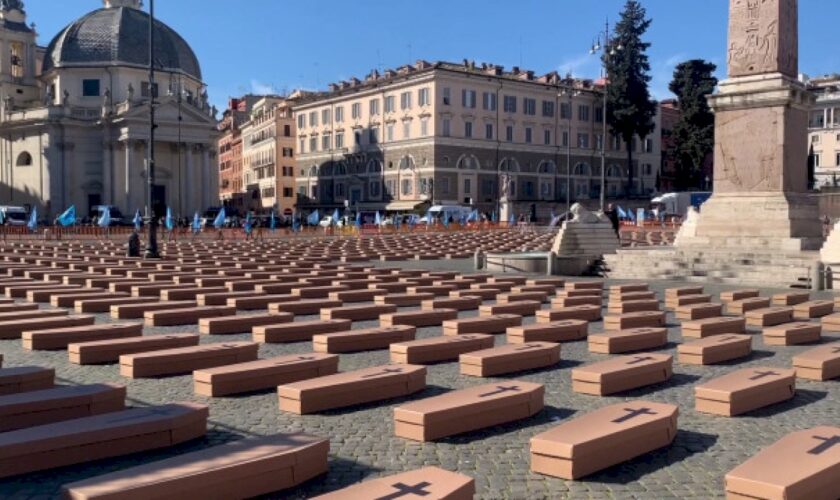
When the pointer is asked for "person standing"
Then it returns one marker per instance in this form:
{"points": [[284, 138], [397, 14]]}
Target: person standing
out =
{"points": [[612, 215]]}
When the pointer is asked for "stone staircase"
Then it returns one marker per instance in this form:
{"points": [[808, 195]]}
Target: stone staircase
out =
{"points": [[765, 269]]}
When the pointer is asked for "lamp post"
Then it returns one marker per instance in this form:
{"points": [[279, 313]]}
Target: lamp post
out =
{"points": [[151, 246], [569, 92], [609, 48]]}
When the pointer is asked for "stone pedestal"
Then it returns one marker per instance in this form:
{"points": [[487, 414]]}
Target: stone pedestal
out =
{"points": [[505, 210]]}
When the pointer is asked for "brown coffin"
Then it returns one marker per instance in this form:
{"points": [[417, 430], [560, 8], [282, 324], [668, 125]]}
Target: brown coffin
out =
{"points": [[622, 373], [468, 303], [634, 339], [683, 290], [14, 329], [546, 289], [584, 313], [703, 328], [745, 390], [262, 374], [100, 436], [484, 294], [44, 294], [693, 312], [603, 438], [109, 351], [228, 325], [466, 410], [791, 298], [437, 349], [186, 359], [222, 298], [353, 296], [253, 302], [501, 287], [629, 287], [521, 308], [404, 299], [368, 339], [674, 302], [138, 310], [643, 319], [626, 296], [482, 324], [304, 307], [813, 309], [628, 306], [561, 301], [715, 349], [187, 316], [831, 322], [506, 298], [13, 308], [103, 305], [68, 299], [793, 334], [429, 482], [298, 331], [33, 314], [803, 464], [241, 469], [743, 306], [358, 313], [733, 295], [769, 316], [25, 378], [376, 383], [584, 285], [60, 338], [190, 293], [435, 317], [555, 282], [510, 358], [435, 290], [820, 363], [568, 330], [28, 409]]}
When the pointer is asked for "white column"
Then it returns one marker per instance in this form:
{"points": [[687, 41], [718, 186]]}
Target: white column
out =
{"points": [[205, 178], [126, 187], [189, 186], [107, 177]]}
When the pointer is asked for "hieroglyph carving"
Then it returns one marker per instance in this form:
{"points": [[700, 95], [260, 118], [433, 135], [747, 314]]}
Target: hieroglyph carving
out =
{"points": [[762, 37]]}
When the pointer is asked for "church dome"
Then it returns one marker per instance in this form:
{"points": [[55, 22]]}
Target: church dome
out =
{"points": [[118, 35]]}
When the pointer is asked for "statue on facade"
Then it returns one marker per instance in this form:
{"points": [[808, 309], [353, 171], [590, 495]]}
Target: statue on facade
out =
{"points": [[49, 98], [505, 186], [7, 5], [66, 101], [106, 103], [130, 92]]}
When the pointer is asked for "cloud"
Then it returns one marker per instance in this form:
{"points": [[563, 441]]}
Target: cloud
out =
{"points": [[258, 87], [585, 65]]}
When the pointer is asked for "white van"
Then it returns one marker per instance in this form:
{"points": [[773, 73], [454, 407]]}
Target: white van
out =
{"points": [[454, 211], [14, 216]]}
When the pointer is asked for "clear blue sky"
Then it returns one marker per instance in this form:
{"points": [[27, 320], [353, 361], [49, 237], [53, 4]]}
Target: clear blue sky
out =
{"points": [[278, 45]]}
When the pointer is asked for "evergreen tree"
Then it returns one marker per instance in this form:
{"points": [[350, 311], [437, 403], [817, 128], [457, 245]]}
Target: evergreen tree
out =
{"points": [[694, 133], [630, 110]]}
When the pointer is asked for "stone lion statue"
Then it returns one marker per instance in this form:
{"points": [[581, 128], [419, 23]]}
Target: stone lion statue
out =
{"points": [[582, 215]]}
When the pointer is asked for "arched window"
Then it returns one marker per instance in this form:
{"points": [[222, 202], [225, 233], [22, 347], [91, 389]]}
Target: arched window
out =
{"points": [[509, 165], [468, 162], [340, 169], [24, 160], [313, 171], [406, 163], [547, 167], [582, 169], [613, 171], [374, 166]]}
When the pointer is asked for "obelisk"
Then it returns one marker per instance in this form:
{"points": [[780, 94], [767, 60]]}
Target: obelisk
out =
{"points": [[760, 200]]}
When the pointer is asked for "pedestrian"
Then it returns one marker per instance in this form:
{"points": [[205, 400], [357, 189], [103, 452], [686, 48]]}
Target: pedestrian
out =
{"points": [[612, 215]]}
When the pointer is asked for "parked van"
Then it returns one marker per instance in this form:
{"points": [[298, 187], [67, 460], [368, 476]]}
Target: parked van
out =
{"points": [[14, 216]]}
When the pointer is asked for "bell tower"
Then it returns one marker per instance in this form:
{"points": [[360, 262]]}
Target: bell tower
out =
{"points": [[18, 55]]}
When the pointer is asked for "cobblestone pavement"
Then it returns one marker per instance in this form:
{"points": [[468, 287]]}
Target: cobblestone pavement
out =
{"points": [[363, 444]]}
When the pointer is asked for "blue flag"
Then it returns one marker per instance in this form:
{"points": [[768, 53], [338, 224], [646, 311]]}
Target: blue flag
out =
{"points": [[295, 223], [493, 217], [621, 213], [2, 218], [248, 223], [33, 219], [138, 221], [397, 221], [358, 219], [463, 220], [512, 219], [167, 221], [105, 218], [219, 222], [335, 217], [68, 218], [378, 219], [473, 217], [273, 222], [313, 218], [196, 225], [445, 219]]}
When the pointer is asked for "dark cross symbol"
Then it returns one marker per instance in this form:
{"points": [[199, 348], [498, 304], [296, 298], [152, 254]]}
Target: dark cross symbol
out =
{"points": [[724, 339], [500, 389], [418, 489], [826, 444], [299, 358], [527, 347], [633, 414], [639, 359], [152, 410], [760, 375], [385, 371]]}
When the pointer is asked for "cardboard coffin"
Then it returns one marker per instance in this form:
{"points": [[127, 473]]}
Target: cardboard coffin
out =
{"points": [[793, 333], [241, 469], [708, 327], [362, 340], [586, 313], [584, 285], [683, 290], [791, 298], [715, 349], [628, 296], [686, 300], [109, 351], [418, 319], [643, 319], [603, 438], [377, 383], [187, 316], [28, 409], [307, 307], [25, 378], [521, 308], [743, 306], [91, 305], [15, 329], [228, 325], [693, 312], [568, 330], [628, 288], [803, 464], [820, 363], [468, 303], [769, 316], [627, 306], [139, 310], [510, 358], [745, 390], [634, 339], [404, 299], [186, 359], [262, 374], [565, 301], [813, 309], [430, 482], [622, 373], [831, 323], [358, 313], [733, 295], [437, 349], [506, 298], [298, 331], [498, 323], [470, 409], [60, 338]]}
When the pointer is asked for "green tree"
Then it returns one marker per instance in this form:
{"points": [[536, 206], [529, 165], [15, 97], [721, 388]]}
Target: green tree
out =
{"points": [[694, 133], [630, 110]]}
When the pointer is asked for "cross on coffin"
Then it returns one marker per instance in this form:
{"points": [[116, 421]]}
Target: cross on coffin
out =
{"points": [[385, 371], [403, 489], [827, 443], [760, 375], [527, 347], [640, 359], [299, 358], [142, 414], [727, 338], [631, 414], [501, 389]]}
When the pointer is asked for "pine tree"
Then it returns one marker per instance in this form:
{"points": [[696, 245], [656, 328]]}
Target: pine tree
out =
{"points": [[694, 133], [630, 110]]}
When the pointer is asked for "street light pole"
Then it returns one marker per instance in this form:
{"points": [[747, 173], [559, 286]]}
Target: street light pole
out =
{"points": [[570, 93], [608, 49], [152, 246]]}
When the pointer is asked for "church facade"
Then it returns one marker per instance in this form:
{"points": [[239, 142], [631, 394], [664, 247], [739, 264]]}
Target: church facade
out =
{"points": [[74, 116]]}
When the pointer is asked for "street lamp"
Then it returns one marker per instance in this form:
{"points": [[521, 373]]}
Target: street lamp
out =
{"points": [[610, 48], [151, 246], [570, 92]]}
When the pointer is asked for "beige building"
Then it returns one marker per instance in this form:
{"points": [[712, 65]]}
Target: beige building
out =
{"points": [[446, 133], [265, 158], [824, 130]]}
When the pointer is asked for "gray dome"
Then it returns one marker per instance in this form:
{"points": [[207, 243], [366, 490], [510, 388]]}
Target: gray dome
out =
{"points": [[119, 36]]}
